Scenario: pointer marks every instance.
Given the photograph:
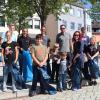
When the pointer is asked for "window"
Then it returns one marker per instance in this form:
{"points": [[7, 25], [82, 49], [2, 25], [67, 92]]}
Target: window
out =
{"points": [[30, 23], [72, 25], [79, 14], [71, 11], [2, 21], [64, 22], [79, 26], [37, 24], [88, 28]]}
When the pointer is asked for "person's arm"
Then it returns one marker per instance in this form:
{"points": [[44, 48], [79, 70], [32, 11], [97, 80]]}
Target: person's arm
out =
{"points": [[3, 56], [77, 55], [16, 54], [95, 55], [33, 56], [44, 61], [70, 43]]}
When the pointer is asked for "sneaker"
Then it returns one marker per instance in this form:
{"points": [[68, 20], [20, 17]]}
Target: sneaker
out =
{"points": [[94, 83], [74, 89], [59, 89], [32, 93], [4, 89], [14, 89]]}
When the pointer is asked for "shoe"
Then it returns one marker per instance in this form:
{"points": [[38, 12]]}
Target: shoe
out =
{"points": [[24, 87], [32, 93], [94, 83], [4, 89], [60, 90], [74, 89], [90, 83], [44, 92], [14, 89]]}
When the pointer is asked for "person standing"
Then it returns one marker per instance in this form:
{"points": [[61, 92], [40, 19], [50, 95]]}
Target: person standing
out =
{"points": [[86, 40], [76, 68], [46, 42], [10, 57], [62, 72], [92, 53], [65, 42], [14, 33], [39, 54], [25, 60]]}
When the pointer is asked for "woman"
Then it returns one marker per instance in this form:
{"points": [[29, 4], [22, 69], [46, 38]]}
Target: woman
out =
{"points": [[77, 61], [92, 54]]}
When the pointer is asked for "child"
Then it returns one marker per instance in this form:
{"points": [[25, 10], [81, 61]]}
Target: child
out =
{"points": [[55, 64], [62, 72], [10, 56], [39, 54], [92, 54]]}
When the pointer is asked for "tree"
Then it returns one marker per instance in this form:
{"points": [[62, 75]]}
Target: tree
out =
{"points": [[44, 7], [95, 11], [16, 11]]}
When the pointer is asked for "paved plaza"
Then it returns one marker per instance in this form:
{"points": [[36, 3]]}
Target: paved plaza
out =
{"points": [[86, 93]]}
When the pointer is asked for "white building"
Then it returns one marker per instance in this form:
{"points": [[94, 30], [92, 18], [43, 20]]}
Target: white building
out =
{"points": [[75, 19]]}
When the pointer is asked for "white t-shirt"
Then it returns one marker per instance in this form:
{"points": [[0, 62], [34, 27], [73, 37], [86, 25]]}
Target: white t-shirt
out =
{"points": [[14, 36]]}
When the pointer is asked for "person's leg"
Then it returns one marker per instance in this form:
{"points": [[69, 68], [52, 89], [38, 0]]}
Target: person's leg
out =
{"points": [[32, 90], [64, 81], [5, 75], [57, 72], [59, 85], [20, 59], [53, 71]]}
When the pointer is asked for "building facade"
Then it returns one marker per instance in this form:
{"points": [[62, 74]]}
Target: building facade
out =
{"points": [[96, 30], [75, 19]]}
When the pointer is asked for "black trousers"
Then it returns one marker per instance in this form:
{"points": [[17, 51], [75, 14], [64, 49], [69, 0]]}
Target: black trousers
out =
{"points": [[55, 71]]}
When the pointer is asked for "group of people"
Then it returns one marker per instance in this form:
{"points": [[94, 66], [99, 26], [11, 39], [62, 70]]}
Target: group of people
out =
{"points": [[38, 62]]}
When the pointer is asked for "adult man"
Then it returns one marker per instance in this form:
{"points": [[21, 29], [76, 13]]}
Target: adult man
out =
{"points": [[25, 60], [46, 39], [65, 42], [14, 33], [46, 42], [65, 45]]}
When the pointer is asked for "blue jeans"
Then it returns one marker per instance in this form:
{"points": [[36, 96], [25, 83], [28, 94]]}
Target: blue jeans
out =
{"points": [[44, 85], [62, 81], [94, 68], [6, 70], [77, 74]]}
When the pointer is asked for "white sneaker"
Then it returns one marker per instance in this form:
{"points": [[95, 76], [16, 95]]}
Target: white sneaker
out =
{"points": [[74, 89], [4, 89], [14, 89]]}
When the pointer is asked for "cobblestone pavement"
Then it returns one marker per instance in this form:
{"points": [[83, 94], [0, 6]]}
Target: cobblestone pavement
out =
{"points": [[86, 93]]}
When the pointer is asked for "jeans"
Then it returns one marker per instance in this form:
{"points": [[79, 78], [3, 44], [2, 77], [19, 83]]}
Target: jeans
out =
{"points": [[43, 83], [6, 70], [62, 81]]}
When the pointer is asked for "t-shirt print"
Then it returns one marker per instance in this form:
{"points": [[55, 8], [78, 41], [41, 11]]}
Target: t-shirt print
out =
{"points": [[8, 50]]}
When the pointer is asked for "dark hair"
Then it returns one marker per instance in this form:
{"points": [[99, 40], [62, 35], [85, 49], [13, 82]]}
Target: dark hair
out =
{"points": [[62, 25], [73, 39], [39, 36]]}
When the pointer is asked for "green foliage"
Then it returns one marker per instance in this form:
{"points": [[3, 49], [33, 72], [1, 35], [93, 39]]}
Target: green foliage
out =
{"points": [[45, 7], [17, 11], [95, 11]]}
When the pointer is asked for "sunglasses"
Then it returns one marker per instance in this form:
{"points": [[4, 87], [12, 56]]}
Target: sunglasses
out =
{"points": [[76, 35]]}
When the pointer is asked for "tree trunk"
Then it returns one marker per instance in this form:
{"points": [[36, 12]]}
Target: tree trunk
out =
{"points": [[43, 21]]}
